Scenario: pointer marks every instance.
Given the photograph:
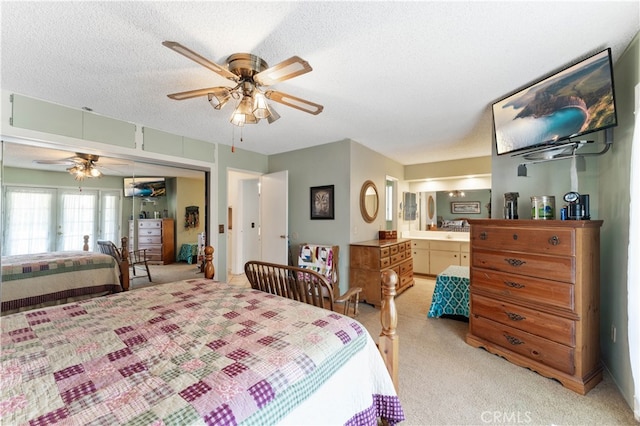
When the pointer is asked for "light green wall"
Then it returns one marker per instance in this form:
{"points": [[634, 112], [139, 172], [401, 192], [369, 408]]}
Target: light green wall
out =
{"points": [[550, 178], [443, 204], [367, 164], [448, 169], [12, 176], [615, 174], [322, 165], [346, 165]]}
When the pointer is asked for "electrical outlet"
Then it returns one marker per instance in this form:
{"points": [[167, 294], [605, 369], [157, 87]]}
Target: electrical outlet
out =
{"points": [[613, 333]]}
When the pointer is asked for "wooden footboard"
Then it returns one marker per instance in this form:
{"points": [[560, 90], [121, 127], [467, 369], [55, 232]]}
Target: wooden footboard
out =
{"points": [[208, 269], [124, 263]]}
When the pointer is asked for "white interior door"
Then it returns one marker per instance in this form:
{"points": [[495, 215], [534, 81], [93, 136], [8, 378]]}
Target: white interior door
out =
{"points": [[274, 217], [250, 221]]}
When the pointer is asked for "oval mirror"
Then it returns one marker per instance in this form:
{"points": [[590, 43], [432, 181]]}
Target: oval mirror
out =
{"points": [[431, 206], [369, 201]]}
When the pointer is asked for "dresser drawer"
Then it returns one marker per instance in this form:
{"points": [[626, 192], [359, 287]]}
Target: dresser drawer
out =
{"points": [[395, 248], [398, 257], [407, 246], [420, 244], [544, 292], [406, 267], [151, 249], [555, 268], [558, 329], [445, 245], [385, 262], [540, 240], [149, 231], [150, 224], [385, 252], [405, 280], [552, 354], [142, 240]]}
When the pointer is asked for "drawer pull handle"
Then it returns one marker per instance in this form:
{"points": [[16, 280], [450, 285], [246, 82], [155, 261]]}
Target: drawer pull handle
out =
{"points": [[515, 262], [515, 317], [513, 284], [513, 340], [483, 235], [554, 241]]}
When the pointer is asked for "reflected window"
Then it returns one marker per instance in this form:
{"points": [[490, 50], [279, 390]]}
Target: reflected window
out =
{"points": [[28, 222]]}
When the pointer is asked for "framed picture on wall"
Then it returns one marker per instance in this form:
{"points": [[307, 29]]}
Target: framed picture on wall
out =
{"points": [[322, 202], [465, 207]]}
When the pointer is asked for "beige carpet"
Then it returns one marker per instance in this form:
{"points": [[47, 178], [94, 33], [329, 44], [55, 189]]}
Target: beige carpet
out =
{"points": [[444, 381], [161, 274]]}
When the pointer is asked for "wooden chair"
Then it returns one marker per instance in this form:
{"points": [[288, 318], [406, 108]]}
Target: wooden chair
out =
{"points": [[324, 260], [295, 283], [125, 259]]}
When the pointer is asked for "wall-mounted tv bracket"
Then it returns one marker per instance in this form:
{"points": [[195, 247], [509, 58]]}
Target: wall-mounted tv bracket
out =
{"points": [[573, 146]]}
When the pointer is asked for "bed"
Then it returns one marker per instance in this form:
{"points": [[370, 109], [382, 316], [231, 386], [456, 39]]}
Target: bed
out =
{"points": [[192, 352], [45, 279]]}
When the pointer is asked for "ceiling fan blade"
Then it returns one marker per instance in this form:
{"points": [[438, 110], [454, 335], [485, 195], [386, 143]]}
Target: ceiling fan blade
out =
{"points": [[292, 67], [198, 92], [294, 102], [188, 53], [66, 162]]}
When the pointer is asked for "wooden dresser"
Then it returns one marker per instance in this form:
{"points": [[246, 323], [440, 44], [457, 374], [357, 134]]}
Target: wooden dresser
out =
{"points": [[369, 258], [535, 296], [156, 236]]}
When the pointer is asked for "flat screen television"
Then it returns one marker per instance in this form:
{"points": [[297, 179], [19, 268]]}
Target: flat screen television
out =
{"points": [[568, 104], [144, 187]]}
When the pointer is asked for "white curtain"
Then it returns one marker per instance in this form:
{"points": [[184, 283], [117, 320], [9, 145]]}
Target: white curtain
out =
{"points": [[78, 218], [28, 223], [110, 217], [633, 283]]}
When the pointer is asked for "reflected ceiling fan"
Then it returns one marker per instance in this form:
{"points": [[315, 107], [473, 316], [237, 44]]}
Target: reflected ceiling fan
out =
{"points": [[82, 165], [249, 80]]}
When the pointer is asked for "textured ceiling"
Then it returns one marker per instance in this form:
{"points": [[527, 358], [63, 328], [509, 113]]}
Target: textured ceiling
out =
{"points": [[413, 81]]}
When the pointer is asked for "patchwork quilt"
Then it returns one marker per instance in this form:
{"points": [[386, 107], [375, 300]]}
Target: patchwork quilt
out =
{"points": [[318, 258], [42, 279], [190, 352]]}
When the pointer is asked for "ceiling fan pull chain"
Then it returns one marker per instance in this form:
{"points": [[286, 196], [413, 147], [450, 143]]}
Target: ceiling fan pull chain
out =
{"points": [[233, 140]]}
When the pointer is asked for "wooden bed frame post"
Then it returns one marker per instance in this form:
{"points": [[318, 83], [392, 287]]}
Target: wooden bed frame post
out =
{"points": [[209, 269], [389, 342], [124, 264]]}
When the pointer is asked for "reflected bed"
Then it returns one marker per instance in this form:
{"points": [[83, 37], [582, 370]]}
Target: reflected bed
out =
{"points": [[38, 280]]}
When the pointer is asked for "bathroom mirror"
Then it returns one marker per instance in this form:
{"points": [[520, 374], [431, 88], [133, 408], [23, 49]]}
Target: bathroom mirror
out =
{"points": [[369, 201]]}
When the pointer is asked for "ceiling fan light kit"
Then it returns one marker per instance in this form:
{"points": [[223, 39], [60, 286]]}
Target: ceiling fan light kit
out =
{"points": [[248, 74], [85, 167]]}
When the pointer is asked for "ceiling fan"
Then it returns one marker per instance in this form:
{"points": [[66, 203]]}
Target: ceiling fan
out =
{"points": [[249, 80], [82, 165]]}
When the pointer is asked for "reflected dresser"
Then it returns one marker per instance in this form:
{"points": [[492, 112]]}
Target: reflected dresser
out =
{"points": [[156, 236]]}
